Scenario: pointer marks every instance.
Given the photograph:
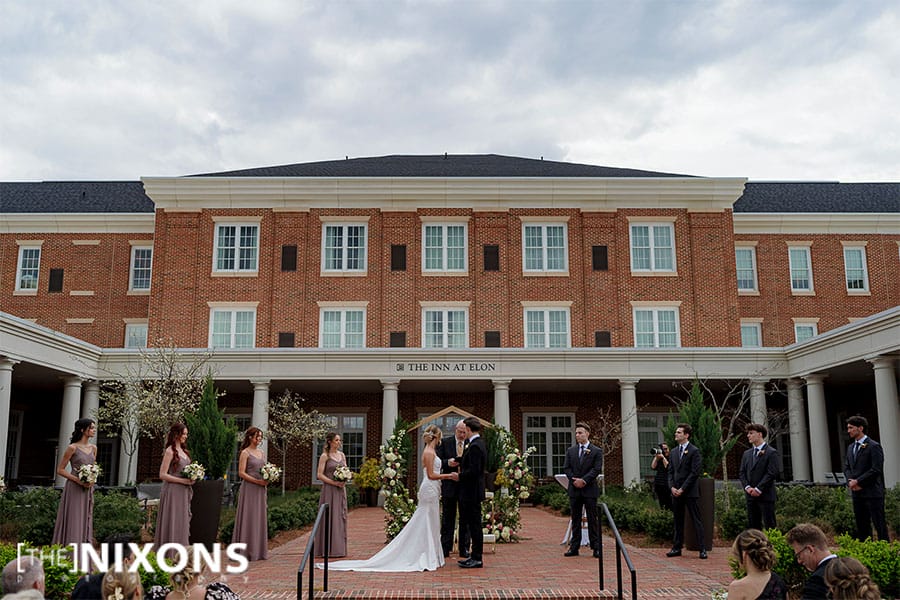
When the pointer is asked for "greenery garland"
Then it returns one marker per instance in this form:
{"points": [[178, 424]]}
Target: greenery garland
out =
{"points": [[395, 455], [501, 516]]}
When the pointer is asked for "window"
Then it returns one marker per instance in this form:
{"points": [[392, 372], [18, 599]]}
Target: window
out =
{"points": [[135, 335], [232, 328], [804, 331], [745, 259], [857, 275], [342, 328], [445, 328], [398, 339], [544, 248], [141, 263], [751, 334], [652, 247], [236, 247], [344, 247], [445, 247], [551, 435], [801, 269], [650, 434], [547, 328], [352, 429], [243, 423], [656, 328], [29, 268]]}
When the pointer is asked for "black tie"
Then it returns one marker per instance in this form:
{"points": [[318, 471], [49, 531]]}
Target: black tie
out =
{"points": [[755, 455], [855, 448]]}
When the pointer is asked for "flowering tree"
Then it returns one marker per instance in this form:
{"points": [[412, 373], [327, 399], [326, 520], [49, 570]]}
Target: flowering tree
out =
{"points": [[395, 455], [291, 424]]}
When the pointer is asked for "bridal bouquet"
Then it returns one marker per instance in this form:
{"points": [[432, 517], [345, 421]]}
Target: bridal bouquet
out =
{"points": [[269, 472], [343, 473], [194, 471], [89, 473]]}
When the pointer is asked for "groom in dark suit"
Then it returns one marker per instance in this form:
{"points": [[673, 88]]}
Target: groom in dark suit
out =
{"points": [[471, 491], [684, 472], [583, 463], [864, 470], [760, 466], [452, 447]]}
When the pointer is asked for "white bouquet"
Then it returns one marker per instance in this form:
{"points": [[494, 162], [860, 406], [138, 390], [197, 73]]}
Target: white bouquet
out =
{"points": [[343, 473], [2, 484], [89, 473], [270, 472], [194, 471]]}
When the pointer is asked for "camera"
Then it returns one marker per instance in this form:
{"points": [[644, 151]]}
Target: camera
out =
{"points": [[654, 451]]}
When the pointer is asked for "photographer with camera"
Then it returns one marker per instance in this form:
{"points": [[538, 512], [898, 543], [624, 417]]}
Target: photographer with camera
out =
{"points": [[660, 464]]}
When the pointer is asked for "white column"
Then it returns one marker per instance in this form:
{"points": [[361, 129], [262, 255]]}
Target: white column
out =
{"points": [[6, 367], [888, 416], [71, 404], [797, 426], [631, 456], [501, 402], [260, 416], [818, 426], [390, 407], [758, 401], [90, 400]]}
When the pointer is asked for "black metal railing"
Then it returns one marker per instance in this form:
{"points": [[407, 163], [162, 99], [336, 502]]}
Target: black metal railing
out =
{"points": [[621, 551], [310, 553]]}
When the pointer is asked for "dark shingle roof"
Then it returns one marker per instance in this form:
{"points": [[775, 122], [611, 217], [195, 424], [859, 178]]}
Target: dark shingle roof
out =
{"points": [[452, 165], [820, 197], [74, 197]]}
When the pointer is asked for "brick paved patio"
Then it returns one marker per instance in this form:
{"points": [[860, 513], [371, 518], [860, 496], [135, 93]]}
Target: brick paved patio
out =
{"points": [[533, 568]]}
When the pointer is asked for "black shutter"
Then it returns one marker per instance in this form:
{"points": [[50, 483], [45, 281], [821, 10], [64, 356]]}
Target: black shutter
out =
{"points": [[600, 258], [491, 257], [602, 339], [398, 260], [286, 338], [56, 280], [398, 339], [289, 259], [491, 339]]}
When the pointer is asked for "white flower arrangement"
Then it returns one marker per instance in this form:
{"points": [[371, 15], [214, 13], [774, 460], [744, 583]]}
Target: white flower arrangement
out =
{"points": [[269, 472], [194, 471], [343, 473], [2, 484], [397, 504], [89, 473]]}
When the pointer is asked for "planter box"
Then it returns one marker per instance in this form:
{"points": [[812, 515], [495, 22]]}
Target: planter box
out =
{"points": [[707, 505], [206, 508]]}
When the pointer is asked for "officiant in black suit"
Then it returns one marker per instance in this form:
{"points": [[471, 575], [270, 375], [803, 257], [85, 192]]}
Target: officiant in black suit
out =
{"points": [[471, 491], [760, 466], [452, 447], [864, 470], [582, 465]]}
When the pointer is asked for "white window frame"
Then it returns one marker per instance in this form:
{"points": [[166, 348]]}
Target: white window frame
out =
{"points": [[133, 268], [21, 268], [342, 423], [232, 309], [655, 309], [238, 249], [864, 269], [560, 437], [650, 433], [544, 311], [797, 270], [756, 327], [754, 287], [544, 249], [444, 247], [811, 324], [444, 311], [363, 258], [652, 247], [134, 329], [342, 311]]}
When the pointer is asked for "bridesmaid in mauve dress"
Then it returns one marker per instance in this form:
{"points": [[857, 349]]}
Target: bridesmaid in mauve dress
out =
{"points": [[173, 521], [75, 518], [335, 495], [251, 525]]}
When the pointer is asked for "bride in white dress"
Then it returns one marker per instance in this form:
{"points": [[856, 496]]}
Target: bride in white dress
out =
{"points": [[418, 546]]}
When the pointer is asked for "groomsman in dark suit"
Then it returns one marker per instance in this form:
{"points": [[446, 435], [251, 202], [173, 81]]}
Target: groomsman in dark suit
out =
{"points": [[471, 491], [864, 469], [582, 465], [685, 462], [760, 466], [452, 447]]}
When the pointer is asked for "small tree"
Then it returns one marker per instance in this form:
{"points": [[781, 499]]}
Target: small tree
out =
{"points": [[707, 431], [290, 424], [212, 437], [606, 432]]}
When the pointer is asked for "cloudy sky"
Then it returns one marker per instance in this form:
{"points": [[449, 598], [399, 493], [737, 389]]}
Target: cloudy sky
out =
{"points": [[765, 89]]}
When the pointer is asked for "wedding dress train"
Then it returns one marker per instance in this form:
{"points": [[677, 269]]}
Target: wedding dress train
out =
{"points": [[418, 546]]}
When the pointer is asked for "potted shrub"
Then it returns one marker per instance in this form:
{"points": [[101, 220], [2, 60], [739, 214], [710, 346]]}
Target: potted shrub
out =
{"points": [[211, 442], [368, 481]]}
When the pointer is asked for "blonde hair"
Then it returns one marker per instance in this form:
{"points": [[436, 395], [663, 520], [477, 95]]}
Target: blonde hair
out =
{"points": [[757, 547], [848, 579], [121, 584], [432, 432], [183, 579]]}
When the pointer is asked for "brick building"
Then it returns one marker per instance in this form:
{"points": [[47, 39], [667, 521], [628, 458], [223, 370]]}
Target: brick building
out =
{"points": [[528, 291]]}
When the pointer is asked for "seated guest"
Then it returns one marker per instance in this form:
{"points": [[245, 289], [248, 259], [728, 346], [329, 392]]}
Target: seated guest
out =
{"points": [[187, 584], [848, 579], [24, 575], [89, 586], [811, 550], [121, 585], [756, 555]]}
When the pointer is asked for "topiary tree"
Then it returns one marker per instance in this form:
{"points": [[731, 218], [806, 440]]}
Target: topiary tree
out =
{"points": [[212, 436], [707, 429]]}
